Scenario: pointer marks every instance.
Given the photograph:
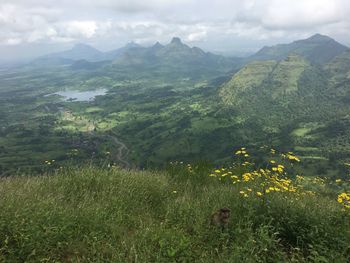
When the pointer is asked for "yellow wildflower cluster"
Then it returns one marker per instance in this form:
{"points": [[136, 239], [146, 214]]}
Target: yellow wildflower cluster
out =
{"points": [[290, 156], [50, 162], [189, 168], [252, 181], [242, 152], [344, 199]]}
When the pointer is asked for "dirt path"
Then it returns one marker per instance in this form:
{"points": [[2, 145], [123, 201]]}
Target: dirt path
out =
{"points": [[122, 151]]}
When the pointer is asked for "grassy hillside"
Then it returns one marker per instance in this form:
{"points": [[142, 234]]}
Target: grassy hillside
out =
{"points": [[299, 105], [111, 215]]}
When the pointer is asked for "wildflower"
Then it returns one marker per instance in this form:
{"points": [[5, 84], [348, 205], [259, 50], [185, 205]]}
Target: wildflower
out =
{"points": [[344, 199], [259, 194], [174, 192], [293, 158], [272, 161], [247, 177], [338, 180], [217, 171]]}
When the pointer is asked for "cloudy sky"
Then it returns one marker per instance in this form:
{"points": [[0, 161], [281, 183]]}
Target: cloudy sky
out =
{"points": [[33, 27]]}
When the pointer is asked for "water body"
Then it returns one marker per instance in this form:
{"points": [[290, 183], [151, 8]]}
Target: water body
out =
{"points": [[75, 95]]}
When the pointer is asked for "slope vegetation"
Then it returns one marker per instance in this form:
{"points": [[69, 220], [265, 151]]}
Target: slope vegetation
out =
{"points": [[112, 215]]}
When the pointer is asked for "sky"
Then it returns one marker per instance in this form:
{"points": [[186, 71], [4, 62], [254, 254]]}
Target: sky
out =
{"points": [[30, 28]]}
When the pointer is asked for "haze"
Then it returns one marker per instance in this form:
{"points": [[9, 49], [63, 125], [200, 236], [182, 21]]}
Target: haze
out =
{"points": [[30, 28]]}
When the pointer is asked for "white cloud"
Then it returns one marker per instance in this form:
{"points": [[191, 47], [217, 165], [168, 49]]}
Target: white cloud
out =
{"points": [[80, 29], [202, 22]]}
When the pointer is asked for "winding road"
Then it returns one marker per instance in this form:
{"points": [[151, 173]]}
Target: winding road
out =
{"points": [[121, 147]]}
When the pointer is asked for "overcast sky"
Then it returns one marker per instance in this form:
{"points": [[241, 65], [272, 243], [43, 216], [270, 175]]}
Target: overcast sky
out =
{"points": [[33, 27]]}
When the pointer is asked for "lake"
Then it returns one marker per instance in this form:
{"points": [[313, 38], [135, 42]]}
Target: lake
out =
{"points": [[76, 95]]}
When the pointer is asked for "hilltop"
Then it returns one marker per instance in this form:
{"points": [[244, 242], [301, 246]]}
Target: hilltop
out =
{"points": [[92, 214], [317, 49]]}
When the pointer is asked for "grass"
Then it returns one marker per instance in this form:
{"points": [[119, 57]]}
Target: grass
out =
{"points": [[92, 214]]}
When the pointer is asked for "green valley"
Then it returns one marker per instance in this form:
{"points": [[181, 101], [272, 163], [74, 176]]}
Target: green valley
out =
{"points": [[174, 102]]}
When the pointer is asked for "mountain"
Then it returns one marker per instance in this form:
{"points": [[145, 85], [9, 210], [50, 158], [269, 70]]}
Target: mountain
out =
{"points": [[114, 54], [78, 52], [175, 54], [294, 103], [317, 49]]}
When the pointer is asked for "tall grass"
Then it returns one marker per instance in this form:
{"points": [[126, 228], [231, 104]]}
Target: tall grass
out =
{"points": [[92, 214]]}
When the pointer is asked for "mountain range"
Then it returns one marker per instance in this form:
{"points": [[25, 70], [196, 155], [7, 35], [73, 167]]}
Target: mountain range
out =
{"points": [[171, 102], [317, 49]]}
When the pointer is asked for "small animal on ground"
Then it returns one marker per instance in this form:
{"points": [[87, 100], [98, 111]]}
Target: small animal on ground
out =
{"points": [[221, 218]]}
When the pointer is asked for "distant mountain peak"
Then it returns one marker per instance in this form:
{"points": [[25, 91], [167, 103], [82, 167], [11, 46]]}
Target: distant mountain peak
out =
{"points": [[157, 45], [318, 38], [176, 40], [82, 46], [132, 44]]}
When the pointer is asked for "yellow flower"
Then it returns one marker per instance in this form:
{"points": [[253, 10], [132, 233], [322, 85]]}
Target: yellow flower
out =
{"points": [[272, 161], [217, 171], [338, 180], [259, 194]]}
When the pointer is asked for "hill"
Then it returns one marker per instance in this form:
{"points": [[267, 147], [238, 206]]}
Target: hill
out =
{"points": [[317, 49], [78, 52], [91, 214], [296, 103]]}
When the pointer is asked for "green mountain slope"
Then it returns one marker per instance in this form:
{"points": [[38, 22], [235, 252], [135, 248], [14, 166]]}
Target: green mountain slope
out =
{"points": [[295, 104], [271, 79], [339, 68]]}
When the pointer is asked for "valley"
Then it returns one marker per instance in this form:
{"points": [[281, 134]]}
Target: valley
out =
{"points": [[149, 106]]}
